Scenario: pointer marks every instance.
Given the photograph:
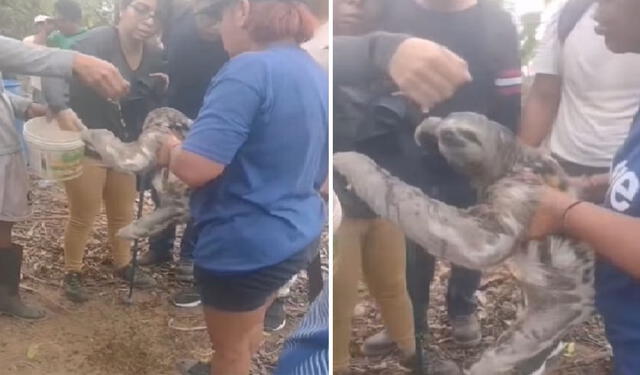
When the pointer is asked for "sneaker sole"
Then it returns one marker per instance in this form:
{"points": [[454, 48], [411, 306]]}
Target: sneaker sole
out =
{"points": [[190, 304]]}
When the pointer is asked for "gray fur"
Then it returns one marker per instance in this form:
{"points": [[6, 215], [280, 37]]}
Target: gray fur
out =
{"points": [[556, 274], [140, 156]]}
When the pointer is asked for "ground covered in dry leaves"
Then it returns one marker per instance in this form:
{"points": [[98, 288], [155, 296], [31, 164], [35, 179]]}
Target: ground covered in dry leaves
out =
{"points": [[586, 353], [105, 336]]}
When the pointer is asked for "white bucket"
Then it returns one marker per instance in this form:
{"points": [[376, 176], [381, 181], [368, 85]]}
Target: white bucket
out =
{"points": [[54, 154]]}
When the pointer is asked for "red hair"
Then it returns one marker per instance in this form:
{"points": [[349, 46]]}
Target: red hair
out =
{"points": [[271, 21]]}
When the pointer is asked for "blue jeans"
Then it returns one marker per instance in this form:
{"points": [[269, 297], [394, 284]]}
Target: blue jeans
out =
{"points": [[162, 243], [618, 301]]}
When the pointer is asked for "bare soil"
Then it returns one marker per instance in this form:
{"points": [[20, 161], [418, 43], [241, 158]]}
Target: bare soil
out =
{"points": [[105, 336]]}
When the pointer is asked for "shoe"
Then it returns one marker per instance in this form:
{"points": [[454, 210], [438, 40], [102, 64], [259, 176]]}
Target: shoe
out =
{"points": [[433, 365], [275, 319], [151, 258], [10, 301], [466, 330], [73, 289], [186, 298], [191, 367], [142, 279], [379, 344], [184, 270]]}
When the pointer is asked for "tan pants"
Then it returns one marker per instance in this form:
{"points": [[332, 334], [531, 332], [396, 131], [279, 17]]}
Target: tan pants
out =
{"points": [[376, 249], [86, 194]]}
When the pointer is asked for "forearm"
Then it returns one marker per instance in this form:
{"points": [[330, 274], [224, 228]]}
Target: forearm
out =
{"points": [[20, 105], [19, 58], [540, 110], [361, 58], [611, 235]]}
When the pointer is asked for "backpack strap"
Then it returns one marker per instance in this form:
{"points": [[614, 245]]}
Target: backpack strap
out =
{"points": [[569, 16]]}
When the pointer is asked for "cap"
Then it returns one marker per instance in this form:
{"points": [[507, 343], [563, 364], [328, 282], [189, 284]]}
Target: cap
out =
{"points": [[41, 18]]}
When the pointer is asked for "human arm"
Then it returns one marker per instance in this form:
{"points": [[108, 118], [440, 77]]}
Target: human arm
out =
{"points": [[20, 58], [506, 64], [221, 128], [424, 71], [612, 235], [542, 102]]}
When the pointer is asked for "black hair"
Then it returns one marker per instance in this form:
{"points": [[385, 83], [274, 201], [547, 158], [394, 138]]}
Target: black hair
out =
{"points": [[69, 10], [162, 9]]}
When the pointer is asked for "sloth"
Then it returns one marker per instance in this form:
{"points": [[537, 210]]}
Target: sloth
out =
{"points": [[555, 274], [140, 157]]}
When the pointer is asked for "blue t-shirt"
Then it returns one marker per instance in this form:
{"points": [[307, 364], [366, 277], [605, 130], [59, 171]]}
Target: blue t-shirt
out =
{"points": [[617, 293], [265, 117]]}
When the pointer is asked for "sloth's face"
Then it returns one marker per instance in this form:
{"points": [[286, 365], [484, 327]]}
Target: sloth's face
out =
{"points": [[471, 143]]}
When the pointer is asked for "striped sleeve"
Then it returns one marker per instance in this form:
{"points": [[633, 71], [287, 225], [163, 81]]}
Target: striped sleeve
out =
{"points": [[509, 82], [306, 352]]}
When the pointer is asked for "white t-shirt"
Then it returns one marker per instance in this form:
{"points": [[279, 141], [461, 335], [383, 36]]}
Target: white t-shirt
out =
{"points": [[600, 93]]}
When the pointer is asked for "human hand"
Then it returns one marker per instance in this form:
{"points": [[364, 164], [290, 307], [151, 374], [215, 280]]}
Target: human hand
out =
{"points": [[549, 214], [168, 143], [164, 81], [35, 110], [427, 72], [67, 120], [100, 75], [591, 188]]}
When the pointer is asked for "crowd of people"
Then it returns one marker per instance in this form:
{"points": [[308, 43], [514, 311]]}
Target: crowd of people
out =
{"points": [[239, 70], [252, 74], [580, 108]]}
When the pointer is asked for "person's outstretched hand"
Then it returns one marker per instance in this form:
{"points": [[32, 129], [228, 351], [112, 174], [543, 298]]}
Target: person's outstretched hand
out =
{"points": [[101, 76], [163, 157], [548, 217], [427, 72]]}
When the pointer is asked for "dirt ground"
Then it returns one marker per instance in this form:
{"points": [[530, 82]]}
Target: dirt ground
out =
{"points": [[104, 336], [586, 353]]}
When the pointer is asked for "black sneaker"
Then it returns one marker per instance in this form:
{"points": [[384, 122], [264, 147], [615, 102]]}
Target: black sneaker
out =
{"points": [[73, 288], [186, 298], [275, 319], [141, 279]]}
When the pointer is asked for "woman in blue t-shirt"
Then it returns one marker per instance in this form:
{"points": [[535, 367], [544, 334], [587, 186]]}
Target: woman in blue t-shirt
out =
{"points": [[612, 230], [256, 157]]}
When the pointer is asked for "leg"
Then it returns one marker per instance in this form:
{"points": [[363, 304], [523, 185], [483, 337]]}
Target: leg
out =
{"points": [[419, 274], [346, 275], [384, 268], [475, 238], [5, 234], [314, 271], [85, 199], [161, 244], [461, 291], [119, 198], [188, 242], [235, 337]]}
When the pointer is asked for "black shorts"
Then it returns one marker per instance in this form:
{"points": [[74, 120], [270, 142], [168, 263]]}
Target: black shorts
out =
{"points": [[249, 291]]}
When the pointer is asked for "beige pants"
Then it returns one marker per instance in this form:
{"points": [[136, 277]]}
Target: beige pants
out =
{"points": [[376, 250], [86, 194]]}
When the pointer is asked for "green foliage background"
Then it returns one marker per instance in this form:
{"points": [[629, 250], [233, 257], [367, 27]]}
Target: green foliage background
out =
{"points": [[16, 16]]}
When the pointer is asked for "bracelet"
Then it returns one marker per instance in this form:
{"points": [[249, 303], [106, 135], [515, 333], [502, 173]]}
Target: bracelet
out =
{"points": [[566, 213]]}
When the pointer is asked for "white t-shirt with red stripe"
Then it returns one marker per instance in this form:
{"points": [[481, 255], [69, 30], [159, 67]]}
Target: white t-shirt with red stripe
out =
{"points": [[600, 93]]}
